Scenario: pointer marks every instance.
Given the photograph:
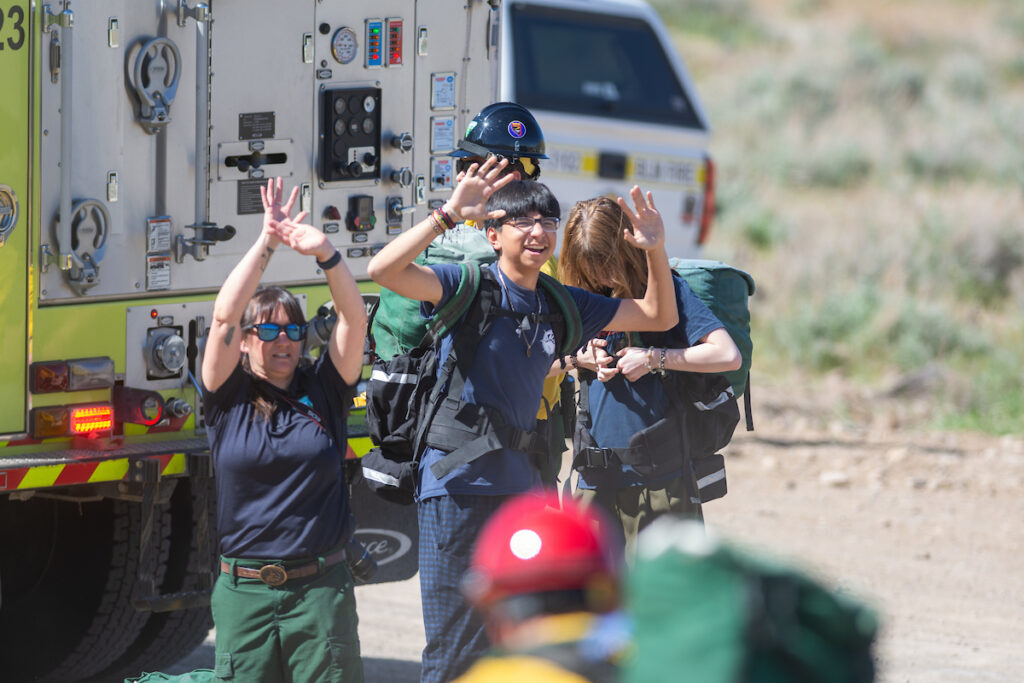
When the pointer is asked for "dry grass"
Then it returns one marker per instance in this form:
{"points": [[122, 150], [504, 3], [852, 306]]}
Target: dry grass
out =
{"points": [[871, 174]]}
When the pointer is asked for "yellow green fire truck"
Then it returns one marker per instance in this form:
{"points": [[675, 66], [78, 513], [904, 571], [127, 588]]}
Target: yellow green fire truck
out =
{"points": [[134, 137]]}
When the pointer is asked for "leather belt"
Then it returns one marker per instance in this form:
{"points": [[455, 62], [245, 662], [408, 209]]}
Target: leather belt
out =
{"points": [[275, 574]]}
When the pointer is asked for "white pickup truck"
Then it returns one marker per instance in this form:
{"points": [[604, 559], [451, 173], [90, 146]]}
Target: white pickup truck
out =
{"points": [[616, 104]]}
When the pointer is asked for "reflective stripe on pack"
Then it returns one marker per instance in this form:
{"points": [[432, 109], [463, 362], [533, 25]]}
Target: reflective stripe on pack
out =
{"points": [[722, 398], [393, 378], [704, 482], [379, 477]]}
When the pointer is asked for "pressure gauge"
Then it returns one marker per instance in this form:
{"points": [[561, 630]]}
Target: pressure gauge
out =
{"points": [[369, 104], [344, 46]]}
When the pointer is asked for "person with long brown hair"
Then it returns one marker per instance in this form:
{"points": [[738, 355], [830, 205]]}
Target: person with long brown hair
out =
{"points": [[283, 605], [622, 375]]}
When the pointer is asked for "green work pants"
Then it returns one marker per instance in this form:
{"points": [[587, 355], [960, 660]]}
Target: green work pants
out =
{"points": [[303, 631], [635, 507]]}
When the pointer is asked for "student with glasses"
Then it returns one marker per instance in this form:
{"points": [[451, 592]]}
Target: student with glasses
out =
{"points": [[283, 605], [505, 376]]}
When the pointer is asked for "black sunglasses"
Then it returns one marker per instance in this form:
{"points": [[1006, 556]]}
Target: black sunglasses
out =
{"points": [[270, 331]]}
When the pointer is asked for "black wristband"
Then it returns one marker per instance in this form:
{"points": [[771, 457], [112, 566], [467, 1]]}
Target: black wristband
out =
{"points": [[331, 262]]}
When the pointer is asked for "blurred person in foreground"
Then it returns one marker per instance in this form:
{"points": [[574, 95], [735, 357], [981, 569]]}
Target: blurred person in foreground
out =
{"points": [[546, 581]]}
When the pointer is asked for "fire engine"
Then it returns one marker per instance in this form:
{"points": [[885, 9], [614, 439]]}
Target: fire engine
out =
{"points": [[134, 138]]}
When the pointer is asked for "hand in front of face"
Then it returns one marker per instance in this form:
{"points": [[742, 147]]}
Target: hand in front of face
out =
{"points": [[302, 237], [476, 185], [648, 229], [594, 357], [633, 362], [272, 208]]}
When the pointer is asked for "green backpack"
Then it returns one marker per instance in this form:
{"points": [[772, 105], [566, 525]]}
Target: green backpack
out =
{"points": [[710, 613], [725, 290], [397, 326]]}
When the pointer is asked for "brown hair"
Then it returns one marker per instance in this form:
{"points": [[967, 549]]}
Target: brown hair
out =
{"points": [[260, 309], [596, 257]]}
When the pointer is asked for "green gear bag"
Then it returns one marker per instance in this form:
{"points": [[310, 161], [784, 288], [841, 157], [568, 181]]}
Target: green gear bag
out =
{"points": [[725, 290], [708, 612], [398, 326]]}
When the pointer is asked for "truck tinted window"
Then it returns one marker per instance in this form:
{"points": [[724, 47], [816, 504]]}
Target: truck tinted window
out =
{"points": [[585, 63]]}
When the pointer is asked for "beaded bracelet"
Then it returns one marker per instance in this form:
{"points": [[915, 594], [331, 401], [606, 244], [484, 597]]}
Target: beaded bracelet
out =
{"points": [[444, 217], [661, 362], [439, 229]]}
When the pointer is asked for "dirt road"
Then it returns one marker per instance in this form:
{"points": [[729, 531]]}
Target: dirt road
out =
{"points": [[928, 527]]}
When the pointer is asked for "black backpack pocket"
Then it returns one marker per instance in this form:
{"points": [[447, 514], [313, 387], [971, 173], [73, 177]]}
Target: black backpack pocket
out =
{"points": [[396, 394]]}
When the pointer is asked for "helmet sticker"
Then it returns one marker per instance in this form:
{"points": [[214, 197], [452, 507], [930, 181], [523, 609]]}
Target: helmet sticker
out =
{"points": [[516, 129], [470, 127]]}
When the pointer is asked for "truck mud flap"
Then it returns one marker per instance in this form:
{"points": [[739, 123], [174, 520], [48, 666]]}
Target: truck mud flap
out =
{"points": [[389, 532]]}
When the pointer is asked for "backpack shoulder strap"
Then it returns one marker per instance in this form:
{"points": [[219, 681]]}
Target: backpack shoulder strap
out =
{"points": [[573, 323], [453, 309]]}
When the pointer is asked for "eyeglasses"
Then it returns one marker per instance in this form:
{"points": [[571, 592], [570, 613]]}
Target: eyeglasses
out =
{"points": [[268, 332], [548, 223]]}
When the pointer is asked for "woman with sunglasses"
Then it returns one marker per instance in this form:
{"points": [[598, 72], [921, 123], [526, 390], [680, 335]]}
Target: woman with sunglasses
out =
{"points": [[283, 605], [628, 395]]}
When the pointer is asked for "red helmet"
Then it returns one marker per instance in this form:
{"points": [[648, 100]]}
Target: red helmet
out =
{"points": [[532, 545]]}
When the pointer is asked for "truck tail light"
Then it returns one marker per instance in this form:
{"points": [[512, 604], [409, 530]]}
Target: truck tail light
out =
{"points": [[91, 419], [709, 201], [73, 420], [72, 375]]}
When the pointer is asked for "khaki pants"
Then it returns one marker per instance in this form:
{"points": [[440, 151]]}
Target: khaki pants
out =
{"points": [[636, 507]]}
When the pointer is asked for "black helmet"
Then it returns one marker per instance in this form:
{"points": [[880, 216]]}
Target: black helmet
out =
{"points": [[503, 128]]}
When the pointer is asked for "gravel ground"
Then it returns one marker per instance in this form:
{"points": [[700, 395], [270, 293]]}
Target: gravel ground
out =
{"points": [[925, 526]]}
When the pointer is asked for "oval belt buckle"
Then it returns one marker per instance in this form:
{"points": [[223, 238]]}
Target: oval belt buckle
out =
{"points": [[273, 575]]}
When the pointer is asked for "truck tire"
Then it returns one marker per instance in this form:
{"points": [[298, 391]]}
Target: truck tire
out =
{"points": [[67, 590], [169, 636]]}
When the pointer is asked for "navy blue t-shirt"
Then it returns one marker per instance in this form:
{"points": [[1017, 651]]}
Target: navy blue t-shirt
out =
{"points": [[620, 408], [504, 378], [281, 491]]}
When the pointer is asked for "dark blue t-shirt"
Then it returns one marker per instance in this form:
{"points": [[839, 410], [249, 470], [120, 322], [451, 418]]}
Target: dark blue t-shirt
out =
{"points": [[503, 377], [620, 408], [281, 491]]}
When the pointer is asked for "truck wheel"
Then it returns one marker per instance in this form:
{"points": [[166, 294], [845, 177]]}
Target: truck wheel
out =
{"points": [[68, 584], [169, 636]]}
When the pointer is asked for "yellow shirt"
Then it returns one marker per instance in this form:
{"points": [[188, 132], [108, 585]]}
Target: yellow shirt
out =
{"points": [[552, 385]]}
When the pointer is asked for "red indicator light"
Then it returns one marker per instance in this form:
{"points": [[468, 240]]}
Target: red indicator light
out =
{"points": [[89, 419], [153, 314]]}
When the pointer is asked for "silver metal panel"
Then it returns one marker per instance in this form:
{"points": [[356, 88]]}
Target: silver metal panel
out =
{"points": [[271, 64], [154, 171]]}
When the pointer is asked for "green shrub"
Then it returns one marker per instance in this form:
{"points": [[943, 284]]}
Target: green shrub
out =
{"points": [[730, 22], [837, 166]]}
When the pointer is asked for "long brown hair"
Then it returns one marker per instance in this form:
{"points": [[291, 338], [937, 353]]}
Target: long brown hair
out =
{"points": [[260, 309], [596, 257]]}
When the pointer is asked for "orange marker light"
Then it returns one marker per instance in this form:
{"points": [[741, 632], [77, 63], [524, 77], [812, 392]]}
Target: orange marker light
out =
{"points": [[48, 422]]}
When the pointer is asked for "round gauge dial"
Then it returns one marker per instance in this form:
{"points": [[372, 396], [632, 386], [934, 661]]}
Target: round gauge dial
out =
{"points": [[369, 104], [344, 45]]}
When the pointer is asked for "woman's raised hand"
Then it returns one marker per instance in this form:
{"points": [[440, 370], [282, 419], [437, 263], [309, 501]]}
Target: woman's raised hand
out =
{"points": [[272, 208], [302, 237], [648, 229], [475, 186]]}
